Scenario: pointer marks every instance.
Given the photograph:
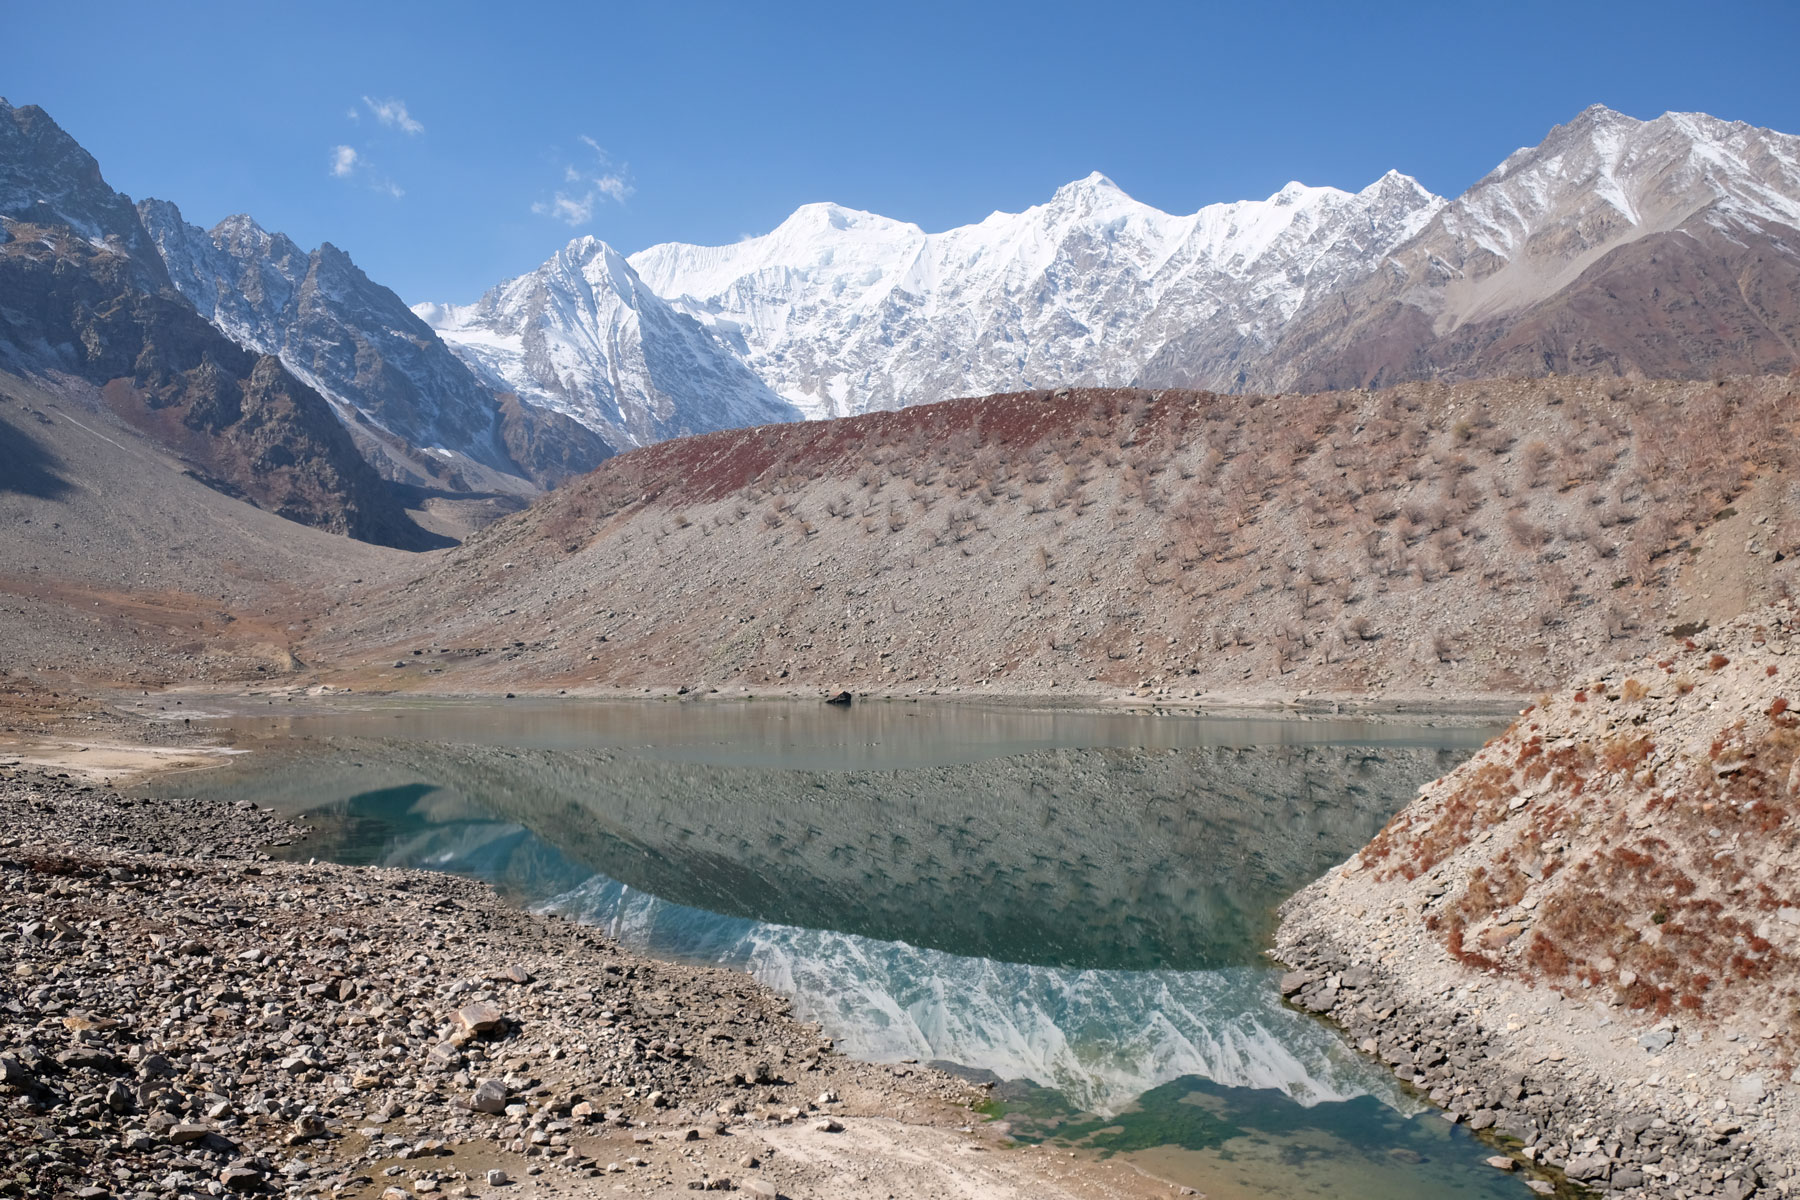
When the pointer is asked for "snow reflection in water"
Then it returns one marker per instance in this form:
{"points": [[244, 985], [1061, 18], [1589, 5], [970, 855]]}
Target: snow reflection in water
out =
{"points": [[1101, 1038]]}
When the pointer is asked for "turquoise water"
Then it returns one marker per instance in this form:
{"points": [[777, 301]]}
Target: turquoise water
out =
{"points": [[1072, 904]]}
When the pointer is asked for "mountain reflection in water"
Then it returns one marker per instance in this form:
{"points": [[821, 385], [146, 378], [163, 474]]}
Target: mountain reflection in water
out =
{"points": [[1085, 917]]}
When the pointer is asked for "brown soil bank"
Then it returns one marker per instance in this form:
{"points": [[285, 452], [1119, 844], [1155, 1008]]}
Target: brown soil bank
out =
{"points": [[1425, 541], [1588, 936]]}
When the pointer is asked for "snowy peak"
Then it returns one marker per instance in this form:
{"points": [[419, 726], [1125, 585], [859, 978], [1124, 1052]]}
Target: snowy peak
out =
{"points": [[842, 311], [1652, 175], [1094, 192], [1547, 214], [583, 336]]}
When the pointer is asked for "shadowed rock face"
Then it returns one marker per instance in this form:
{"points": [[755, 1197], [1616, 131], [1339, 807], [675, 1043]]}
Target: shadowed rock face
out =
{"points": [[46, 178], [1101, 858], [243, 423], [356, 342]]}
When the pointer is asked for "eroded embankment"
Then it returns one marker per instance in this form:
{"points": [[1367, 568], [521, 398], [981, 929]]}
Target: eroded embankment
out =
{"points": [[1588, 936]]}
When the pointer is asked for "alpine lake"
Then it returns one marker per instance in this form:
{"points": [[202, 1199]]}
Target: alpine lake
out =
{"points": [[1072, 904]]}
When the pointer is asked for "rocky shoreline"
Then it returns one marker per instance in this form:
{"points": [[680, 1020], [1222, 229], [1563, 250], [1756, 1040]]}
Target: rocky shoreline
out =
{"points": [[181, 1015], [1554, 1107]]}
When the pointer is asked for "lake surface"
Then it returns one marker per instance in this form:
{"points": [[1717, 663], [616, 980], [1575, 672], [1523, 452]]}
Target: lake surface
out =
{"points": [[1075, 904]]}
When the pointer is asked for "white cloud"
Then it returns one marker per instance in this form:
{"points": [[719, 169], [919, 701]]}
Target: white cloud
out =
{"points": [[602, 181], [347, 163], [393, 114], [570, 210]]}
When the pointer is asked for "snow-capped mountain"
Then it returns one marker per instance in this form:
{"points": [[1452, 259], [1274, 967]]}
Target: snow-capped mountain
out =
{"points": [[839, 311], [583, 336], [1666, 246], [844, 311], [358, 344]]}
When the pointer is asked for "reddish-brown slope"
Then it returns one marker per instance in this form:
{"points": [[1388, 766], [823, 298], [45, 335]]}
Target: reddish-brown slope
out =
{"points": [[1425, 540]]}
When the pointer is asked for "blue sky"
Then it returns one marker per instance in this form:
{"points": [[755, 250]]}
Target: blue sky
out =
{"points": [[448, 146]]}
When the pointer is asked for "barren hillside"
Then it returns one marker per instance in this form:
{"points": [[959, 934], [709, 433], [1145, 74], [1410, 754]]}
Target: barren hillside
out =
{"points": [[1595, 921], [1428, 540], [120, 566], [1630, 833]]}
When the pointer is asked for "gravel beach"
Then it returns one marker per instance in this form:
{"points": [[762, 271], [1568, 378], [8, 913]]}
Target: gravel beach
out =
{"points": [[181, 1015]]}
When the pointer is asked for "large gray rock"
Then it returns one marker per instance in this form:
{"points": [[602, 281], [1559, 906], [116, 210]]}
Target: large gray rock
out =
{"points": [[1587, 1168], [1748, 1089], [489, 1097], [480, 1017]]}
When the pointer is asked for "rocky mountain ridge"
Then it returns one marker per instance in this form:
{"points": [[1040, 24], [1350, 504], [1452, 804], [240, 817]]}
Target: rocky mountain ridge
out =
{"points": [[418, 410], [846, 311], [1663, 248], [87, 297]]}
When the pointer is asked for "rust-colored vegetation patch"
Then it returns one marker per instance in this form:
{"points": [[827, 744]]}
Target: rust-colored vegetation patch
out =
{"points": [[1632, 841], [1463, 537]]}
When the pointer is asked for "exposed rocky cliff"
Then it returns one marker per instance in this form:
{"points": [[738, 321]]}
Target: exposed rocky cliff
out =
{"points": [[246, 426], [429, 421]]}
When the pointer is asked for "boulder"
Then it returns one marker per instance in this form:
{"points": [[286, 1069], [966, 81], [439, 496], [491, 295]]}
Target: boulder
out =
{"points": [[1748, 1089], [1588, 1168], [13, 1072], [489, 1097], [445, 1056], [241, 1179], [480, 1017]]}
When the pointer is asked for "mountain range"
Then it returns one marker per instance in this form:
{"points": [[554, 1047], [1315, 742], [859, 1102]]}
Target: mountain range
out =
{"points": [[1662, 248], [1617, 246]]}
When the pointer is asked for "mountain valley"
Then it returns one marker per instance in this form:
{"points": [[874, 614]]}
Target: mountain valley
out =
{"points": [[1331, 452]]}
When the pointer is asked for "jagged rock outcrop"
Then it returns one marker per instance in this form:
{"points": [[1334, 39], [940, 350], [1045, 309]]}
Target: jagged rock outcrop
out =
{"points": [[46, 178], [246, 425], [430, 421]]}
